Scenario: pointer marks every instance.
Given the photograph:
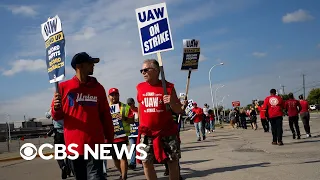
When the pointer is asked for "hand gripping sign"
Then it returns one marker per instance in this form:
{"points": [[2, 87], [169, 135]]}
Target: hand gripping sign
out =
{"points": [[117, 121], [155, 34], [55, 48]]}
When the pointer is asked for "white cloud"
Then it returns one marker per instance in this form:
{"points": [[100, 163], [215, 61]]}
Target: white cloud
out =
{"points": [[297, 16], [85, 34], [25, 65], [202, 58], [23, 10], [259, 54]]}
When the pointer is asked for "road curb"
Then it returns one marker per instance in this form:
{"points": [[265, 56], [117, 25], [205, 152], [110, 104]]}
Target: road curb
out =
{"points": [[20, 158]]}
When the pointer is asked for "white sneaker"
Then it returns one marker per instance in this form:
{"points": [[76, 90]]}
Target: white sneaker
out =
{"points": [[308, 135]]}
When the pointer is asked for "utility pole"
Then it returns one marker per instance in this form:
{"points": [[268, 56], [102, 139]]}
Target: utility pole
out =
{"points": [[283, 89], [304, 86]]}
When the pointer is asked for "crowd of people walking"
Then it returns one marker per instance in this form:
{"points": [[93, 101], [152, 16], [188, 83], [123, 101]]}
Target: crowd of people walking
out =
{"points": [[82, 114]]}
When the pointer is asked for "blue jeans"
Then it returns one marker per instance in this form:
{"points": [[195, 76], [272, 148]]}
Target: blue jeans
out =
{"points": [[212, 127], [199, 128], [133, 140], [90, 169], [105, 167]]}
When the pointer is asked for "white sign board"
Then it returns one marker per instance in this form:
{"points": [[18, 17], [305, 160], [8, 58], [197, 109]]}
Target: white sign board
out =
{"points": [[154, 29]]}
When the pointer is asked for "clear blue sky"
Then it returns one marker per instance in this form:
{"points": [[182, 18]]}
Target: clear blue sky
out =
{"points": [[258, 40]]}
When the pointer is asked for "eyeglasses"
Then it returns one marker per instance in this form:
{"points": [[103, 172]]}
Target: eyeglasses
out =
{"points": [[145, 70]]}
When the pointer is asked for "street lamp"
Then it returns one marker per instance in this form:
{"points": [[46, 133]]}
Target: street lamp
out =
{"points": [[221, 102], [211, 85], [215, 96]]}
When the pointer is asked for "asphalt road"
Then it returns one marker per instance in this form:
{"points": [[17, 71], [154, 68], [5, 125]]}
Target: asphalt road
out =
{"points": [[227, 154]]}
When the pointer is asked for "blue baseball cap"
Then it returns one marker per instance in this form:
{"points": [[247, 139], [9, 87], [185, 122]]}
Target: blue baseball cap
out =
{"points": [[81, 58]]}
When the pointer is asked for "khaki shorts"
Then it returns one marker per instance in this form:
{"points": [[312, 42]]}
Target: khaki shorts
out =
{"points": [[170, 144]]}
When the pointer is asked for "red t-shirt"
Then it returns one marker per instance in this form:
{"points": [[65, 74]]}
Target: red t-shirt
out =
{"points": [[199, 114], [262, 111], [274, 105], [86, 114], [211, 117], [292, 106], [304, 106], [153, 113]]}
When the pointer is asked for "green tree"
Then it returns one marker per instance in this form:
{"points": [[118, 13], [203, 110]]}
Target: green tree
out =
{"points": [[314, 96], [248, 106], [284, 96]]}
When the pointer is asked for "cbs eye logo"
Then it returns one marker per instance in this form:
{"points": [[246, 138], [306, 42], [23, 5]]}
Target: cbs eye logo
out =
{"points": [[28, 151]]}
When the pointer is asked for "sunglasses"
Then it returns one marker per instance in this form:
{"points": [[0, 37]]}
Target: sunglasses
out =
{"points": [[145, 70]]}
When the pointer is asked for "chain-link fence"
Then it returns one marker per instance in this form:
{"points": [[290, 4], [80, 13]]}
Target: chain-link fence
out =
{"points": [[15, 143]]}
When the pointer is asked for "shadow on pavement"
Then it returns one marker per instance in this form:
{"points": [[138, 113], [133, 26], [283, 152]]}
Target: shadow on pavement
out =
{"points": [[301, 142], [195, 161], [212, 139], [310, 162], [186, 149], [203, 173]]}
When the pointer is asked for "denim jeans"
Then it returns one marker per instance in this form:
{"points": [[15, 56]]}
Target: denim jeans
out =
{"points": [[199, 128], [212, 127], [105, 167], [133, 140], [90, 169]]}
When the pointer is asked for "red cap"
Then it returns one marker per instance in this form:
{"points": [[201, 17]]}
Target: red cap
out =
{"points": [[113, 90]]}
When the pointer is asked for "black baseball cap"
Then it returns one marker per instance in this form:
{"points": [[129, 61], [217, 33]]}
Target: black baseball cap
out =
{"points": [[130, 101], [81, 58]]}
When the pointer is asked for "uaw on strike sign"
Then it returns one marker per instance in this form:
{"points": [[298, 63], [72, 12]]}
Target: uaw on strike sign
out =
{"points": [[191, 54], [189, 111], [154, 29], [55, 48]]}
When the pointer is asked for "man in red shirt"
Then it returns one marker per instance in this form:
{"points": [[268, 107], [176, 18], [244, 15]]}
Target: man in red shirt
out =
{"points": [[264, 120], [305, 115], [198, 123], [122, 120], [82, 103], [157, 129], [293, 108], [274, 106]]}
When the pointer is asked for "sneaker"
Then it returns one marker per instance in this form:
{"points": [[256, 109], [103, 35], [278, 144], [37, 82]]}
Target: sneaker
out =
{"points": [[274, 143], [294, 136], [299, 137], [204, 137], [280, 143], [132, 166], [166, 172], [199, 139]]}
